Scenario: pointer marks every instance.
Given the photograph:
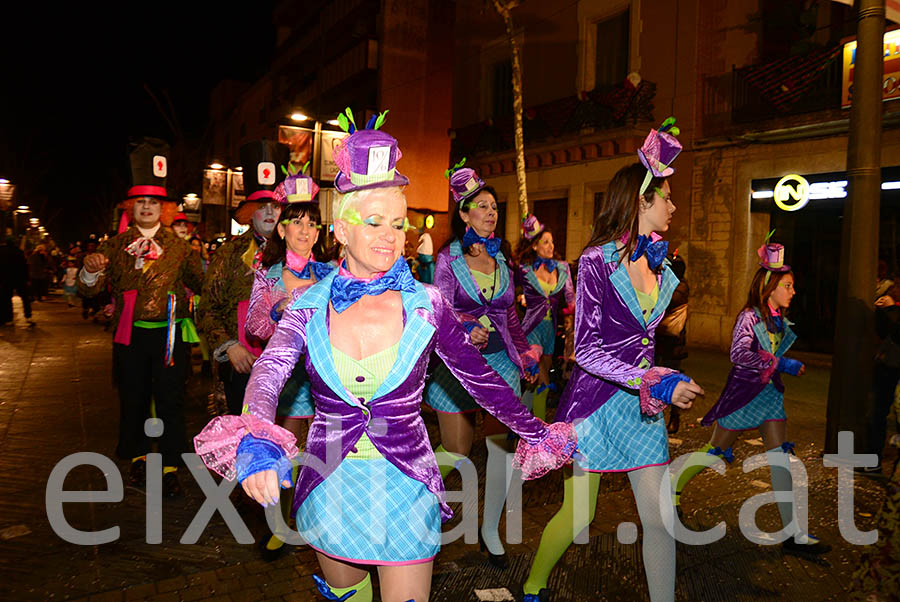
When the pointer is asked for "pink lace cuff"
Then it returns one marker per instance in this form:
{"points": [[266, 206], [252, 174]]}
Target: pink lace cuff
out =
{"points": [[553, 452], [532, 356], [217, 443], [767, 373], [651, 406]]}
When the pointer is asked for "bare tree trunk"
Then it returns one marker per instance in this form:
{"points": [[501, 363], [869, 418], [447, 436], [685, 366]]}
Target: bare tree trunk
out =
{"points": [[504, 8]]}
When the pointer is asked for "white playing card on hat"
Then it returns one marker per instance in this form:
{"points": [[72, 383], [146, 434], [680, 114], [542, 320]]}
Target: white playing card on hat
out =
{"points": [[302, 186], [471, 184], [160, 166], [379, 160], [265, 173]]}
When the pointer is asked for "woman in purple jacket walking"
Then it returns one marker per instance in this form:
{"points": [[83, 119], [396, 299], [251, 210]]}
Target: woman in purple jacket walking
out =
{"points": [[615, 395], [369, 492], [753, 397], [547, 287]]}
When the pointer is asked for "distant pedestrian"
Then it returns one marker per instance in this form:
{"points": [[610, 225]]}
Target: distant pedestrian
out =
{"points": [[38, 271], [754, 394], [887, 373], [13, 280], [69, 282]]}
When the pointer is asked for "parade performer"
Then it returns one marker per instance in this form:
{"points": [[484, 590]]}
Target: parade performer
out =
{"points": [[753, 397], [472, 272], [615, 395], [148, 268], [288, 269], [226, 298], [369, 491], [181, 226], [547, 286]]}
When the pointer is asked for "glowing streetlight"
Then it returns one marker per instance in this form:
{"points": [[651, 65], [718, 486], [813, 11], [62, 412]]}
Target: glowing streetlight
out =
{"points": [[333, 122], [299, 117], [23, 207], [216, 166], [4, 181]]}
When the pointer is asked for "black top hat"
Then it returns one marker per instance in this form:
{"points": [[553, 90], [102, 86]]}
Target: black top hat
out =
{"points": [[262, 161], [149, 168]]}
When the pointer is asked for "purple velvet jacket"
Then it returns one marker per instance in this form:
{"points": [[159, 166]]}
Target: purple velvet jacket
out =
{"points": [[536, 302], [613, 344], [392, 417], [456, 282], [754, 364]]}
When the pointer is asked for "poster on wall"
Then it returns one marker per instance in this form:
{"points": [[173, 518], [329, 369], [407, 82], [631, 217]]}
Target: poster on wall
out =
{"points": [[237, 188], [327, 167], [215, 183], [300, 143], [890, 78]]}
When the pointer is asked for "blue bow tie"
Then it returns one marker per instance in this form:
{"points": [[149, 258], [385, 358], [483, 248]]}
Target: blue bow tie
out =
{"points": [[312, 267], [347, 291], [491, 245], [655, 251], [549, 263]]}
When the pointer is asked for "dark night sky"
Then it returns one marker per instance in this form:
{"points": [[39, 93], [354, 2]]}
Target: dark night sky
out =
{"points": [[72, 93]]}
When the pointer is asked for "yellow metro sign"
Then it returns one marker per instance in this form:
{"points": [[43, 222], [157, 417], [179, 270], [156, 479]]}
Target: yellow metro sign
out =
{"points": [[792, 187]]}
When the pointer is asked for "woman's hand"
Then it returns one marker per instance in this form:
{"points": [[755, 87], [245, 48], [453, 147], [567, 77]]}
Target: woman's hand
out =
{"points": [[479, 335], [263, 487], [802, 370], [684, 394]]}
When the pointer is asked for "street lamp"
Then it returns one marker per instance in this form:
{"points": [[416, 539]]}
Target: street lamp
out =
{"points": [[299, 117], [216, 166]]}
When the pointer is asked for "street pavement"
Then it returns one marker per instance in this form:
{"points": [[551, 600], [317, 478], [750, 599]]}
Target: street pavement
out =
{"points": [[57, 398]]}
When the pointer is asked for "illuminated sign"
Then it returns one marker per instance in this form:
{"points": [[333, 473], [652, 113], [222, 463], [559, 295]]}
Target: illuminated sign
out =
{"points": [[785, 190], [891, 81]]}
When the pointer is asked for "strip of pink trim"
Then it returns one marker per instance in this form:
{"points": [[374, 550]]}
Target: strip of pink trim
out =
{"points": [[750, 428], [373, 562], [629, 469]]}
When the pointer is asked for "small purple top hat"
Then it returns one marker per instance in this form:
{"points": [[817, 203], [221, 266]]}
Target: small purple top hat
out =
{"points": [[659, 151], [531, 227], [367, 158], [297, 187], [771, 256], [464, 182]]}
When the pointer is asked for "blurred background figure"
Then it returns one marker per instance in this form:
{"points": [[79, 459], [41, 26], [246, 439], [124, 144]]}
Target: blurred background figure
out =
{"points": [[671, 334], [13, 280]]}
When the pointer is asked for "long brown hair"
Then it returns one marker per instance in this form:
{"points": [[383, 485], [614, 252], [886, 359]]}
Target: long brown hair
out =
{"points": [[760, 291], [525, 253], [619, 211]]}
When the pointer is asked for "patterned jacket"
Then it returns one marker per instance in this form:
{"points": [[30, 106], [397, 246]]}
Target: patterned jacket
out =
{"points": [[176, 268], [229, 281]]}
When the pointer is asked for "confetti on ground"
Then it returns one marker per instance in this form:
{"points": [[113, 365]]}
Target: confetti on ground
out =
{"points": [[494, 595], [674, 441], [14, 531], [760, 484], [754, 441]]}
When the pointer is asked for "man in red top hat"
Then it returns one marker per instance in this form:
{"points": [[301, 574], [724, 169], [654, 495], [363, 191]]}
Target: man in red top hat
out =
{"points": [[148, 267], [226, 297]]}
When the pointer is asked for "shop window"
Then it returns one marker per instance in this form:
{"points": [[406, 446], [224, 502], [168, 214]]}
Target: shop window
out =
{"points": [[613, 39]]}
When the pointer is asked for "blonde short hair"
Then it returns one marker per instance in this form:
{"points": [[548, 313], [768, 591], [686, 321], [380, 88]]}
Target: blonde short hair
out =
{"points": [[352, 200]]}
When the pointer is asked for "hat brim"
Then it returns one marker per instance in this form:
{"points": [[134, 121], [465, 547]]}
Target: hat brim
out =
{"points": [[783, 268], [343, 184]]}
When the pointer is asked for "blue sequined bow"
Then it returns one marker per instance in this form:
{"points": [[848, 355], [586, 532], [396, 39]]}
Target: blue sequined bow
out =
{"points": [[491, 245], [725, 454], [347, 291], [549, 263], [788, 447], [655, 251]]}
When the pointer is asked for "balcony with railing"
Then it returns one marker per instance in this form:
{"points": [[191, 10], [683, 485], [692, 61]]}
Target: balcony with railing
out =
{"points": [[790, 91], [586, 115]]}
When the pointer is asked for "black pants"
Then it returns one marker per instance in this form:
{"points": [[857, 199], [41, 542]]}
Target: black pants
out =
{"points": [[886, 379], [235, 384], [142, 375], [6, 306]]}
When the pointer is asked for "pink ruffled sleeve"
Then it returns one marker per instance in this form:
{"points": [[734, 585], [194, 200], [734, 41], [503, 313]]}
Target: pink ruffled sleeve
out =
{"points": [[217, 443], [265, 295]]}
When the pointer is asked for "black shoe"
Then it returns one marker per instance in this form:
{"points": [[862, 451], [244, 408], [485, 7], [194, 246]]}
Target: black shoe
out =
{"points": [[541, 596], [498, 561], [171, 485], [805, 549], [137, 474], [269, 555], [674, 420]]}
